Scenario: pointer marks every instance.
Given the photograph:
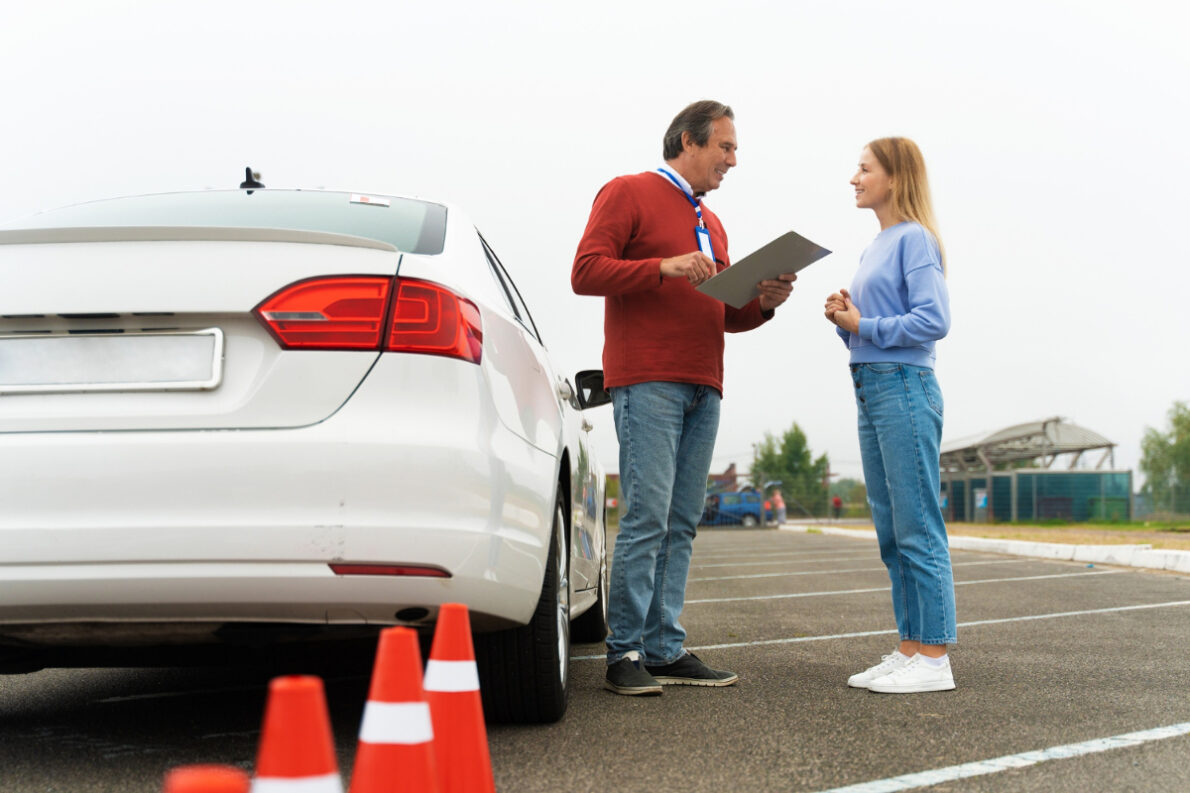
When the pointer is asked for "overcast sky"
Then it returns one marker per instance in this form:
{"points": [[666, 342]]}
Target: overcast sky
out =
{"points": [[1055, 135]]}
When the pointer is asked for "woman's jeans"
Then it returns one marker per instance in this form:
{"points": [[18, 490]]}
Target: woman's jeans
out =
{"points": [[900, 428], [666, 433]]}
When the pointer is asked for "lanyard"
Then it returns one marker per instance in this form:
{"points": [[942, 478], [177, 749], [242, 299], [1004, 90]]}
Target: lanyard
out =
{"points": [[689, 196]]}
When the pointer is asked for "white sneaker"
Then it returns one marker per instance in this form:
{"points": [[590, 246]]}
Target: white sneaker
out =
{"points": [[913, 677], [894, 660]]}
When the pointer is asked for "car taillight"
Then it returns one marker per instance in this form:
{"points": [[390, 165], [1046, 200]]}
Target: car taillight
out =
{"points": [[350, 313], [431, 319], [338, 313]]}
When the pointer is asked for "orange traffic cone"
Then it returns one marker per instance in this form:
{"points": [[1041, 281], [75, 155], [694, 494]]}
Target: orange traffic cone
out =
{"points": [[297, 752], [452, 688], [396, 740], [206, 779]]}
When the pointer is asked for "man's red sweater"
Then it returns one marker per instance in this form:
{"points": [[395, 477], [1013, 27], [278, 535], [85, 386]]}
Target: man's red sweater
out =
{"points": [[654, 328]]}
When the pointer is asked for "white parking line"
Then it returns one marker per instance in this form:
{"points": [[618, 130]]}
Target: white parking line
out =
{"points": [[1022, 760], [881, 569], [715, 558], [885, 589], [802, 560], [861, 634], [729, 559]]}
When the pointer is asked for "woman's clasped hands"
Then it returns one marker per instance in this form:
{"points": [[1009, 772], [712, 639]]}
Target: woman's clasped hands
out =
{"points": [[840, 310]]}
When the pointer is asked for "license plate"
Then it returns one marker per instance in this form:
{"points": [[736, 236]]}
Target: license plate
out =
{"points": [[168, 361]]}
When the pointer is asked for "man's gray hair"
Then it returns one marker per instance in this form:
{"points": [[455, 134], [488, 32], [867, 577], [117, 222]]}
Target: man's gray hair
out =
{"points": [[696, 118]]}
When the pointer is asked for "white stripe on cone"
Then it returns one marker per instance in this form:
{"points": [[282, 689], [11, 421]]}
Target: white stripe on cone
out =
{"points": [[329, 783], [451, 676], [396, 722]]}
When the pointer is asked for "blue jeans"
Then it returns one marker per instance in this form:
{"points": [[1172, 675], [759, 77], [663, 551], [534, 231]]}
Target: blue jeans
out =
{"points": [[900, 428], [666, 433]]}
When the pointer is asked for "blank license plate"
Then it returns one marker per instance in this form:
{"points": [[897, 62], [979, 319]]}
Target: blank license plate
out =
{"points": [[191, 361]]}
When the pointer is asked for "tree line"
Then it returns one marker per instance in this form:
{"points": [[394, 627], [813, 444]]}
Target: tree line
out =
{"points": [[807, 486], [805, 479], [1165, 462]]}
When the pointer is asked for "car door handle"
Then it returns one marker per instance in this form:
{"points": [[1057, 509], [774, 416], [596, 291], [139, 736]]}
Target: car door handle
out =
{"points": [[586, 426]]}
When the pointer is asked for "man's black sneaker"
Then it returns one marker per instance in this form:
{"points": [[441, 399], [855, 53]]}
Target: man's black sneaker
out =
{"points": [[627, 676], [689, 671]]}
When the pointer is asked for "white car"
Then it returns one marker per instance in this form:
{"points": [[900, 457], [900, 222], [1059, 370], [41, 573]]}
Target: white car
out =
{"points": [[254, 415]]}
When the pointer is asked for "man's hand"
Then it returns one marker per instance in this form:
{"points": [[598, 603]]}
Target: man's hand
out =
{"points": [[840, 310], [695, 267], [776, 291]]}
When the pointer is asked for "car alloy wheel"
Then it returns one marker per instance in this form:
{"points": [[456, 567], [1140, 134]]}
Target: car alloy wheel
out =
{"points": [[562, 585]]}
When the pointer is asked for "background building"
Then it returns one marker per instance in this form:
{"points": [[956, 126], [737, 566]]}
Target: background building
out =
{"points": [[1014, 474]]}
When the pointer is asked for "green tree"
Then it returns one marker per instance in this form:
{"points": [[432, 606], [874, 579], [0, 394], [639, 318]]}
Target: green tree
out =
{"points": [[1165, 462], [847, 488], [790, 461]]}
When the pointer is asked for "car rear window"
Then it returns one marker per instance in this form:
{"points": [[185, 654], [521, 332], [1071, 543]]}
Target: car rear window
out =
{"points": [[408, 224]]}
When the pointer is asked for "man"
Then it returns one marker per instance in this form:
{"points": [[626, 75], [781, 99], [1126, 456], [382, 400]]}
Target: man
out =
{"points": [[648, 243]]}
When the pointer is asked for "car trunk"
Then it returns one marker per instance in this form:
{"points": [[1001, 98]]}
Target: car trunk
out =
{"points": [[144, 332]]}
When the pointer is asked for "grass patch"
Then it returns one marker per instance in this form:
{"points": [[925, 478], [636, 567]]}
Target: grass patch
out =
{"points": [[1161, 535], [1158, 536], [1107, 525]]}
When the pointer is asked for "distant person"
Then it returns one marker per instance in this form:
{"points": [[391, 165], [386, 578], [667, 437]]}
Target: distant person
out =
{"points": [[649, 241], [896, 310], [837, 503], [779, 506]]}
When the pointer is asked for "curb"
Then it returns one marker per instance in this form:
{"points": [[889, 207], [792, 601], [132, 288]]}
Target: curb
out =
{"points": [[1124, 555]]}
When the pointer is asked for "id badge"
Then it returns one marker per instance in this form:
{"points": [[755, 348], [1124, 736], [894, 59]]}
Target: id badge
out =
{"points": [[704, 241]]}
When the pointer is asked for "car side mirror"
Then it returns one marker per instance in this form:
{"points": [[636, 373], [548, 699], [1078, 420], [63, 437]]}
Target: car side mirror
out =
{"points": [[591, 393]]}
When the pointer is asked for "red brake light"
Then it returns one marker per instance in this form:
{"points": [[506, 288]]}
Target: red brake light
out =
{"points": [[429, 318], [389, 569], [344, 312], [336, 312]]}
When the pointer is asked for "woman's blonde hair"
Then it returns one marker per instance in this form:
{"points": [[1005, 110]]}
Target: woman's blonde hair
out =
{"points": [[902, 161]]}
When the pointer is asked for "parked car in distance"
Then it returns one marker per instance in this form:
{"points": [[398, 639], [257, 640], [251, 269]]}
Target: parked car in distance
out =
{"points": [[235, 418], [745, 507]]}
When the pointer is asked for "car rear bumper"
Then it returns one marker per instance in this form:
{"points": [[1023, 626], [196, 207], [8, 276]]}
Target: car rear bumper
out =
{"points": [[223, 592], [242, 525]]}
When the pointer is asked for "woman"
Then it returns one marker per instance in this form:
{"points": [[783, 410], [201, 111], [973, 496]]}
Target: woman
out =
{"points": [[896, 310]]}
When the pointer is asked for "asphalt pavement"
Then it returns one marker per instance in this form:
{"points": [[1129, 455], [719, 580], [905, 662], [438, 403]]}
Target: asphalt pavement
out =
{"points": [[1051, 654], [1071, 676]]}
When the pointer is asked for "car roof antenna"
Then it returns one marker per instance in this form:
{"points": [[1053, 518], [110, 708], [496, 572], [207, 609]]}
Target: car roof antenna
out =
{"points": [[251, 180]]}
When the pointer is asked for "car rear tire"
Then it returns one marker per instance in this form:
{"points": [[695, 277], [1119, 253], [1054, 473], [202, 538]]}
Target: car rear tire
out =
{"points": [[749, 521], [523, 672], [591, 626]]}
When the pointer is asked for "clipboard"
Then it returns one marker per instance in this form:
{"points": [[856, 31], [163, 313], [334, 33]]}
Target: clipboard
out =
{"points": [[736, 285]]}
